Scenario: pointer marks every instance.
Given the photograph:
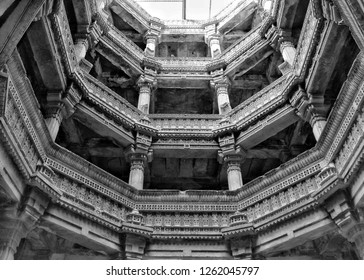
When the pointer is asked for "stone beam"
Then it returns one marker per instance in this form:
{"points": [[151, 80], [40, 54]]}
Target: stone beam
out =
{"points": [[10, 179], [352, 12], [293, 233], [83, 15], [240, 15], [332, 43], [80, 230], [188, 81], [128, 15], [239, 67], [16, 25], [266, 128], [119, 58], [287, 14], [98, 123]]}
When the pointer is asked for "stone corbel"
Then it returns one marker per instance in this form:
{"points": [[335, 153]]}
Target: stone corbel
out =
{"points": [[72, 97], [17, 220], [55, 111], [239, 234], [135, 235], [311, 109], [349, 221]]}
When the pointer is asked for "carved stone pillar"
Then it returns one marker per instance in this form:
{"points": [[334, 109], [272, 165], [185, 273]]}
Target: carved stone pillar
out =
{"points": [[54, 112], [146, 83], [144, 97], [317, 122], [221, 85], [288, 52], [136, 176], [212, 39], [16, 221], [152, 38], [235, 180], [214, 44], [151, 45], [232, 156]]}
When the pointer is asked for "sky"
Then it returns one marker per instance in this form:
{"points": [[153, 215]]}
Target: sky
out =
{"points": [[195, 9]]}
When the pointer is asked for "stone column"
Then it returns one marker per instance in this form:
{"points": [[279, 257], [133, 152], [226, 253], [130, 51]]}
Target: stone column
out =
{"points": [[235, 180], [214, 44], [231, 155], [136, 176], [54, 112], [146, 84], [212, 39], [151, 45], [317, 122], [144, 97], [288, 52], [222, 88]]}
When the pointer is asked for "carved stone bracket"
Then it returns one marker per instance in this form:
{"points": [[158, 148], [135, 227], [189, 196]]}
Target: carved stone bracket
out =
{"points": [[17, 220], [311, 109], [350, 221], [135, 235]]}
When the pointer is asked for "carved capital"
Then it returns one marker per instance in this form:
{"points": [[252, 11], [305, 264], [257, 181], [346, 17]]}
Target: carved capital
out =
{"points": [[148, 80], [55, 105], [349, 221], [241, 248]]}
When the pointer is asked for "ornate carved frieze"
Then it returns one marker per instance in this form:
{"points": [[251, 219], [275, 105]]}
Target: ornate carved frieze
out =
{"points": [[22, 132], [63, 37], [350, 155], [307, 43], [14, 28], [81, 198], [110, 102], [347, 108], [75, 177]]}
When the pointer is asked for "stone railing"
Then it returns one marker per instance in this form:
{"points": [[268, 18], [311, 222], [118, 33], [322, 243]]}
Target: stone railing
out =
{"points": [[171, 122], [238, 48], [260, 103], [125, 43], [183, 64], [231, 11], [114, 104], [136, 10]]}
